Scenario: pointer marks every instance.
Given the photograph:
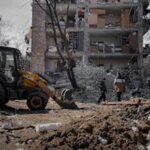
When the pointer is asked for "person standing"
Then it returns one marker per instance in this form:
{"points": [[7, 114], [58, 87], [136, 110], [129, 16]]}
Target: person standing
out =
{"points": [[119, 83], [103, 90]]}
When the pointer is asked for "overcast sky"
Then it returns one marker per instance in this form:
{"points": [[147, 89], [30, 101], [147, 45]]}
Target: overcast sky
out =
{"points": [[17, 12], [18, 15]]}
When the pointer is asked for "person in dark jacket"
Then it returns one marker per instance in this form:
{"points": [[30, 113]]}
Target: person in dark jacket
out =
{"points": [[103, 90]]}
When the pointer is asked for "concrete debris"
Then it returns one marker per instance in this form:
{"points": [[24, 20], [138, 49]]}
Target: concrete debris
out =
{"points": [[17, 144], [104, 129], [149, 118], [148, 136], [91, 127], [11, 117], [147, 66], [29, 141], [6, 125], [45, 127], [143, 126], [148, 147], [89, 78], [102, 140], [135, 129], [136, 122], [141, 147]]}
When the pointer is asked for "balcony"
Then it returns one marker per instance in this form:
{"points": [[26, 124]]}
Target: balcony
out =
{"points": [[112, 55], [69, 29], [112, 5], [109, 4], [54, 55], [111, 31], [70, 26], [99, 48], [112, 19]]}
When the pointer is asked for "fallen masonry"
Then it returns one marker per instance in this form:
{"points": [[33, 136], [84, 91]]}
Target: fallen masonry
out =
{"points": [[123, 125], [104, 129]]}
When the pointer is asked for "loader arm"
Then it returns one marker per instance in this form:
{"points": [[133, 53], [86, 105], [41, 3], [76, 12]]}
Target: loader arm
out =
{"points": [[31, 80]]}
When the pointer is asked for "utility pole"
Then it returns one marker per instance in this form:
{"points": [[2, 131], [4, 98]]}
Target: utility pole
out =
{"points": [[38, 37], [140, 38], [0, 29], [86, 33]]}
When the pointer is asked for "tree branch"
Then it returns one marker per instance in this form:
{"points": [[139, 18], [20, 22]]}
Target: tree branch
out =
{"points": [[53, 26]]}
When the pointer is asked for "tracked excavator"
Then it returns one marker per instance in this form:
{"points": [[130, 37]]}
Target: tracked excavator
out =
{"points": [[16, 83]]}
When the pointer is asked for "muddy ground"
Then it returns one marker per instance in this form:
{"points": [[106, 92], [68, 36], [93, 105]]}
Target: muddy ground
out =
{"points": [[123, 126]]}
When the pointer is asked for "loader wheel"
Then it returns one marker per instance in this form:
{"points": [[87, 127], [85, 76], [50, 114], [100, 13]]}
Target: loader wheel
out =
{"points": [[2, 96], [37, 101]]}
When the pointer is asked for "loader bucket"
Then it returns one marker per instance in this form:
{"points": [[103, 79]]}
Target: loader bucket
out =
{"points": [[69, 105], [63, 97]]}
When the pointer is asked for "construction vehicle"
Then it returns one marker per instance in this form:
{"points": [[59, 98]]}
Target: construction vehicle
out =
{"points": [[16, 83]]}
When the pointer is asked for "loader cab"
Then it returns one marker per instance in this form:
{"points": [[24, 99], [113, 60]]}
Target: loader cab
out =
{"points": [[10, 63]]}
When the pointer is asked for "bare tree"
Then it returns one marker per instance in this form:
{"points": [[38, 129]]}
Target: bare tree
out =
{"points": [[68, 62]]}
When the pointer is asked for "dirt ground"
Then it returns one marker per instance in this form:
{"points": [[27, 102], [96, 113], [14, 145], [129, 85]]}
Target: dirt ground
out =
{"points": [[114, 125]]}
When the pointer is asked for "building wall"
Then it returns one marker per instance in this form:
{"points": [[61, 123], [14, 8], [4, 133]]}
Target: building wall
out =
{"points": [[105, 25], [38, 39], [51, 65]]}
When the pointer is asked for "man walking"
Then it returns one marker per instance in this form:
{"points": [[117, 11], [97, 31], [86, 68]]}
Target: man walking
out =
{"points": [[103, 90], [119, 83]]}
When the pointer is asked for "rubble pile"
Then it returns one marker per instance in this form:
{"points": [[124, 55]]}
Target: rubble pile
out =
{"points": [[20, 127], [89, 78], [126, 127], [114, 125], [147, 66], [14, 134]]}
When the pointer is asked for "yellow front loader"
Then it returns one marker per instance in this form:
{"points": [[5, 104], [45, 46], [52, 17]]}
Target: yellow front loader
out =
{"points": [[44, 91], [16, 83]]}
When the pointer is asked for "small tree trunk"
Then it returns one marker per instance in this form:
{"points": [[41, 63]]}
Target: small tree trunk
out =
{"points": [[71, 77], [52, 13]]}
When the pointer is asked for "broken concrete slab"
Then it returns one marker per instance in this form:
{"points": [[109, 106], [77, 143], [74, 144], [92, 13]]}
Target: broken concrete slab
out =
{"points": [[48, 126]]}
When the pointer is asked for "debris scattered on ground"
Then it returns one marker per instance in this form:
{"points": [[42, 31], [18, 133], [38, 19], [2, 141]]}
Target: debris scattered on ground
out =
{"points": [[124, 125], [48, 126], [104, 129]]}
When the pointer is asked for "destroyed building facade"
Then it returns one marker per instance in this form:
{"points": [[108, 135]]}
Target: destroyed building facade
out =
{"points": [[102, 32]]}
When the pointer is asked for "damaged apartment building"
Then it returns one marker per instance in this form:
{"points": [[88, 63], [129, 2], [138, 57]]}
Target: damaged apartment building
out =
{"points": [[105, 33]]}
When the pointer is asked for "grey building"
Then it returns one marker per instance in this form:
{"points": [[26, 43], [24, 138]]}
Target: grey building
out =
{"points": [[106, 33]]}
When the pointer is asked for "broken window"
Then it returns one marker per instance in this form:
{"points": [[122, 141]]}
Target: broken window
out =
{"points": [[76, 40]]}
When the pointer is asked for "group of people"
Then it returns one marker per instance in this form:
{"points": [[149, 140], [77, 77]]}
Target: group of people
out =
{"points": [[119, 84]]}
